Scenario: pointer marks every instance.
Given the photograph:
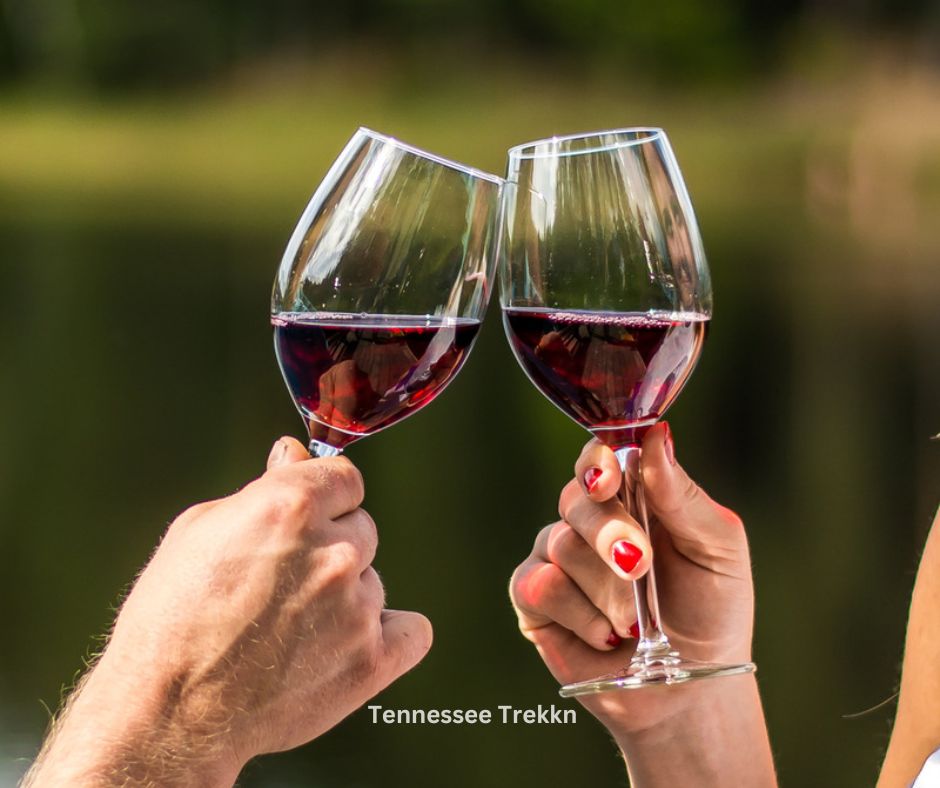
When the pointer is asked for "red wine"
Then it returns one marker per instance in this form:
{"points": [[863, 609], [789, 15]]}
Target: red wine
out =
{"points": [[614, 373], [352, 375]]}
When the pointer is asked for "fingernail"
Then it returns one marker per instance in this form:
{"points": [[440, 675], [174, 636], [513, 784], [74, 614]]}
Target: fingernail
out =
{"points": [[591, 477], [626, 555], [669, 446], [278, 450], [635, 630], [613, 639]]}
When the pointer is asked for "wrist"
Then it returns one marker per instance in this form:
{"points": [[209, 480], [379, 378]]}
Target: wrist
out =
{"points": [[717, 737], [163, 723], [120, 728]]}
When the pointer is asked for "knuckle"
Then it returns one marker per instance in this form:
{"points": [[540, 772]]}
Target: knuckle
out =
{"points": [[731, 518], [546, 530], [519, 584], [368, 531], [529, 629], [347, 480], [289, 503], [515, 582], [198, 510], [339, 564], [521, 587], [570, 495], [544, 587], [539, 547], [188, 517], [561, 542]]}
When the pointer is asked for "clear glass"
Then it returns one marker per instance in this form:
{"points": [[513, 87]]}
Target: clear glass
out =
{"points": [[382, 287], [606, 299]]}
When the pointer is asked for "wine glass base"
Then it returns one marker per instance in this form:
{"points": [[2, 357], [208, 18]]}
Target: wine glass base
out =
{"points": [[660, 672]]}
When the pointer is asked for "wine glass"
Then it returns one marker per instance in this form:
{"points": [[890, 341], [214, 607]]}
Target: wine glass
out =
{"points": [[606, 299], [382, 287]]}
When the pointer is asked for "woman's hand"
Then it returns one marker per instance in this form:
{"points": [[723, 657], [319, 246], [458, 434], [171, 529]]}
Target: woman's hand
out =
{"points": [[574, 599]]}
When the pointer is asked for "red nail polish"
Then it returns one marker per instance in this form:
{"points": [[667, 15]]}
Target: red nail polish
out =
{"points": [[591, 477], [635, 630], [626, 555], [613, 639], [669, 446]]}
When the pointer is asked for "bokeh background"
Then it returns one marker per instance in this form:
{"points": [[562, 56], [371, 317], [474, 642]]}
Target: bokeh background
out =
{"points": [[153, 161]]}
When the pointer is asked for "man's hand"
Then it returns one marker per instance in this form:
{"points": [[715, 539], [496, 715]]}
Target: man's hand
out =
{"points": [[257, 625]]}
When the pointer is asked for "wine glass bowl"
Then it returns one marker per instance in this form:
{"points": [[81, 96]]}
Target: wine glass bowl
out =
{"points": [[603, 256], [382, 287], [613, 373], [606, 300]]}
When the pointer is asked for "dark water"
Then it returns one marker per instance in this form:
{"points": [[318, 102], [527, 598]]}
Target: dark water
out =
{"points": [[138, 376]]}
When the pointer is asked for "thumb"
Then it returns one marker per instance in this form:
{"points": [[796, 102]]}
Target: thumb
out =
{"points": [[683, 508], [407, 637], [285, 451]]}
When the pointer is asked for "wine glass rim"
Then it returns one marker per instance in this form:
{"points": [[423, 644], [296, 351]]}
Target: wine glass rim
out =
{"points": [[529, 150], [445, 162]]}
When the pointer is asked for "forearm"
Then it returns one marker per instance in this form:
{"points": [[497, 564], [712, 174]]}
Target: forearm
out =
{"points": [[720, 740], [110, 734], [916, 731]]}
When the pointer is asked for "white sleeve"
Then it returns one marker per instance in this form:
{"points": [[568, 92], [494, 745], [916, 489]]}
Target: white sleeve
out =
{"points": [[929, 776]]}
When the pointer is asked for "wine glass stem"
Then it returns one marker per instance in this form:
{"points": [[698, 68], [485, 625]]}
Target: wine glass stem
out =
{"points": [[321, 449], [652, 643]]}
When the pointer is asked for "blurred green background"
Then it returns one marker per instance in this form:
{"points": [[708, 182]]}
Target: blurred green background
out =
{"points": [[153, 160]]}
